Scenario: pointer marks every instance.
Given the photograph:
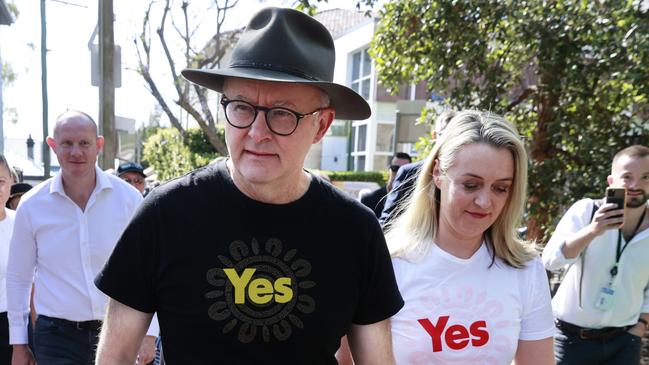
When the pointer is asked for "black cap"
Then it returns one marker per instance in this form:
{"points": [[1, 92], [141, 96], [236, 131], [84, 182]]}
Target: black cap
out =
{"points": [[19, 188], [130, 167]]}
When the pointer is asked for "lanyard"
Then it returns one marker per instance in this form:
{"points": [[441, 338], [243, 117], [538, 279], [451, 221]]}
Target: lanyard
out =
{"points": [[618, 252]]}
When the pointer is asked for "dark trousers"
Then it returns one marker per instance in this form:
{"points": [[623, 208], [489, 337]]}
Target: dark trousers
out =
{"points": [[570, 349], [58, 344], [5, 347]]}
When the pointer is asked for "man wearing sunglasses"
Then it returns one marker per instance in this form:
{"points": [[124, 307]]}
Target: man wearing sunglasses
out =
{"points": [[375, 200], [252, 259]]}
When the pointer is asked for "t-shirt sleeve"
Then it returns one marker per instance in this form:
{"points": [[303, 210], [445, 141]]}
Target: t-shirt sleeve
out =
{"points": [[380, 298], [537, 321], [128, 274]]}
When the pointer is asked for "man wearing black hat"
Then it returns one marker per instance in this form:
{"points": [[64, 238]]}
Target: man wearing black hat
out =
{"points": [[253, 260], [133, 173]]}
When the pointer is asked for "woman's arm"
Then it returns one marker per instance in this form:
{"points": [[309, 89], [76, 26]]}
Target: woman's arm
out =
{"points": [[538, 352]]}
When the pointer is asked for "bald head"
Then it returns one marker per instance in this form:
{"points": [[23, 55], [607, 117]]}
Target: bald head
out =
{"points": [[76, 118]]}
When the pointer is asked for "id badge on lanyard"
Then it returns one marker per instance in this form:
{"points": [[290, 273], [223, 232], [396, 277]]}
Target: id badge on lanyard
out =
{"points": [[606, 295]]}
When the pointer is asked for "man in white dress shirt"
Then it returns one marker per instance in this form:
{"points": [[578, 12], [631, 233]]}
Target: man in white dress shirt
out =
{"points": [[602, 305], [65, 230]]}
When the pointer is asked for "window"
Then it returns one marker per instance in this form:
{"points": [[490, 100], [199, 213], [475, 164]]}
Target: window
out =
{"points": [[384, 137], [339, 128], [361, 71], [381, 162], [360, 163], [362, 138]]}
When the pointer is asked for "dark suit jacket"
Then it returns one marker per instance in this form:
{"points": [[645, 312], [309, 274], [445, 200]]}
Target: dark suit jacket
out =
{"points": [[401, 188], [375, 200]]}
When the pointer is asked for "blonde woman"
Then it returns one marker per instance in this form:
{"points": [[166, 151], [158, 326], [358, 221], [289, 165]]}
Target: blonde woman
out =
{"points": [[474, 292]]}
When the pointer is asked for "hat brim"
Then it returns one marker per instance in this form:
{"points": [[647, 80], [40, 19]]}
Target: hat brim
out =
{"points": [[347, 103], [132, 170], [15, 195]]}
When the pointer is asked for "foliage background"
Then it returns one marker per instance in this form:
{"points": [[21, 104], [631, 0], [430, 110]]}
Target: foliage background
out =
{"points": [[573, 75], [172, 156]]}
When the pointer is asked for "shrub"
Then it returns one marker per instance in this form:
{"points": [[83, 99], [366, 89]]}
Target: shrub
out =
{"points": [[171, 156]]}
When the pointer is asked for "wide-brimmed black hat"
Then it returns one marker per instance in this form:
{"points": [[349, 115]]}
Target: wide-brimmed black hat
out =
{"points": [[285, 45]]}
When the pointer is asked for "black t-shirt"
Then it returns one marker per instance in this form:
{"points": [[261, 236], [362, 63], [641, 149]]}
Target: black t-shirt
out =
{"points": [[236, 281]]}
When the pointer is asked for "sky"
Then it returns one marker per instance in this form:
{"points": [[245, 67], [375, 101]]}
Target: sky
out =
{"points": [[70, 25]]}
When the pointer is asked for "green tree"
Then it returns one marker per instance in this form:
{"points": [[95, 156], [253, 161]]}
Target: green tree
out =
{"points": [[572, 74], [172, 156], [195, 52]]}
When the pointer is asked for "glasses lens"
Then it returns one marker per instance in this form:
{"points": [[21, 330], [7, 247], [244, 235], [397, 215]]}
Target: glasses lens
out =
{"points": [[282, 121], [240, 113]]}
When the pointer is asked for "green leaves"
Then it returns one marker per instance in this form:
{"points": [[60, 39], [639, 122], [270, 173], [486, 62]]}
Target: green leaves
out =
{"points": [[171, 156], [573, 75]]}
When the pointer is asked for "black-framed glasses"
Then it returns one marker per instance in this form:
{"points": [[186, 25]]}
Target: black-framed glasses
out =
{"points": [[281, 121]]}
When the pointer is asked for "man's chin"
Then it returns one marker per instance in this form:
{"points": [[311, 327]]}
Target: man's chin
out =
{"points": [[636, 202]]}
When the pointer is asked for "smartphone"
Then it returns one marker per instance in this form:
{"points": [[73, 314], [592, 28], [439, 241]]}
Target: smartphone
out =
{"points": [[616, 196]]}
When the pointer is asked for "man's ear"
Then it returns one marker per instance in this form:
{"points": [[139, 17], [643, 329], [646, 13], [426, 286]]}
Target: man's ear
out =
{"points": [[325, 118], [100, 143], [609, 179], [51, 142]]}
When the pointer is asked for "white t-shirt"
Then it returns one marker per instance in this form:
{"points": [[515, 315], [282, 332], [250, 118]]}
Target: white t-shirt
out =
{"points": [[6, 230], [461, 311]]}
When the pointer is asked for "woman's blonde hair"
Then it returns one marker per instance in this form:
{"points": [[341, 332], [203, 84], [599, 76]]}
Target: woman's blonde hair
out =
{"points": [[411, 233]]}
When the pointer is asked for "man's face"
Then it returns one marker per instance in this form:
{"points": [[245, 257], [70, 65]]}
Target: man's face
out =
{"points": [[134, 179], [261, 157], [76, 146], [392, 171], [6, 180], [631, 173], [399, 161]]}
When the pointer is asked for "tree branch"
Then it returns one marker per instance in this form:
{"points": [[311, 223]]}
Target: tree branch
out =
{"points": [[529, 91], [163, 104], [170, 61], [202, 98], [211, 133]]}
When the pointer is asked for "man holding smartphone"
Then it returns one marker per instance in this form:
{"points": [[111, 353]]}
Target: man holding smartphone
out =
{"points": [[602, 305]]}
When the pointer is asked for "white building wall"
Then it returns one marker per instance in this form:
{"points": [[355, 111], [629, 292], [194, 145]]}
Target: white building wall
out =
{"points": [[355, 40], [334, 153], [313, 159]]}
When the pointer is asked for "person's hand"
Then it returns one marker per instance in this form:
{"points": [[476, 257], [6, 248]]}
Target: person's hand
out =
{"points": [[22, 355], [638, 330], [607, 217], [147, 350]]}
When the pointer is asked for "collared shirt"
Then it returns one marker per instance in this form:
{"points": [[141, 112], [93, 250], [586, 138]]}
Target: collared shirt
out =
{"points": [[6, 228], [61, 248], [631, 284]]}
